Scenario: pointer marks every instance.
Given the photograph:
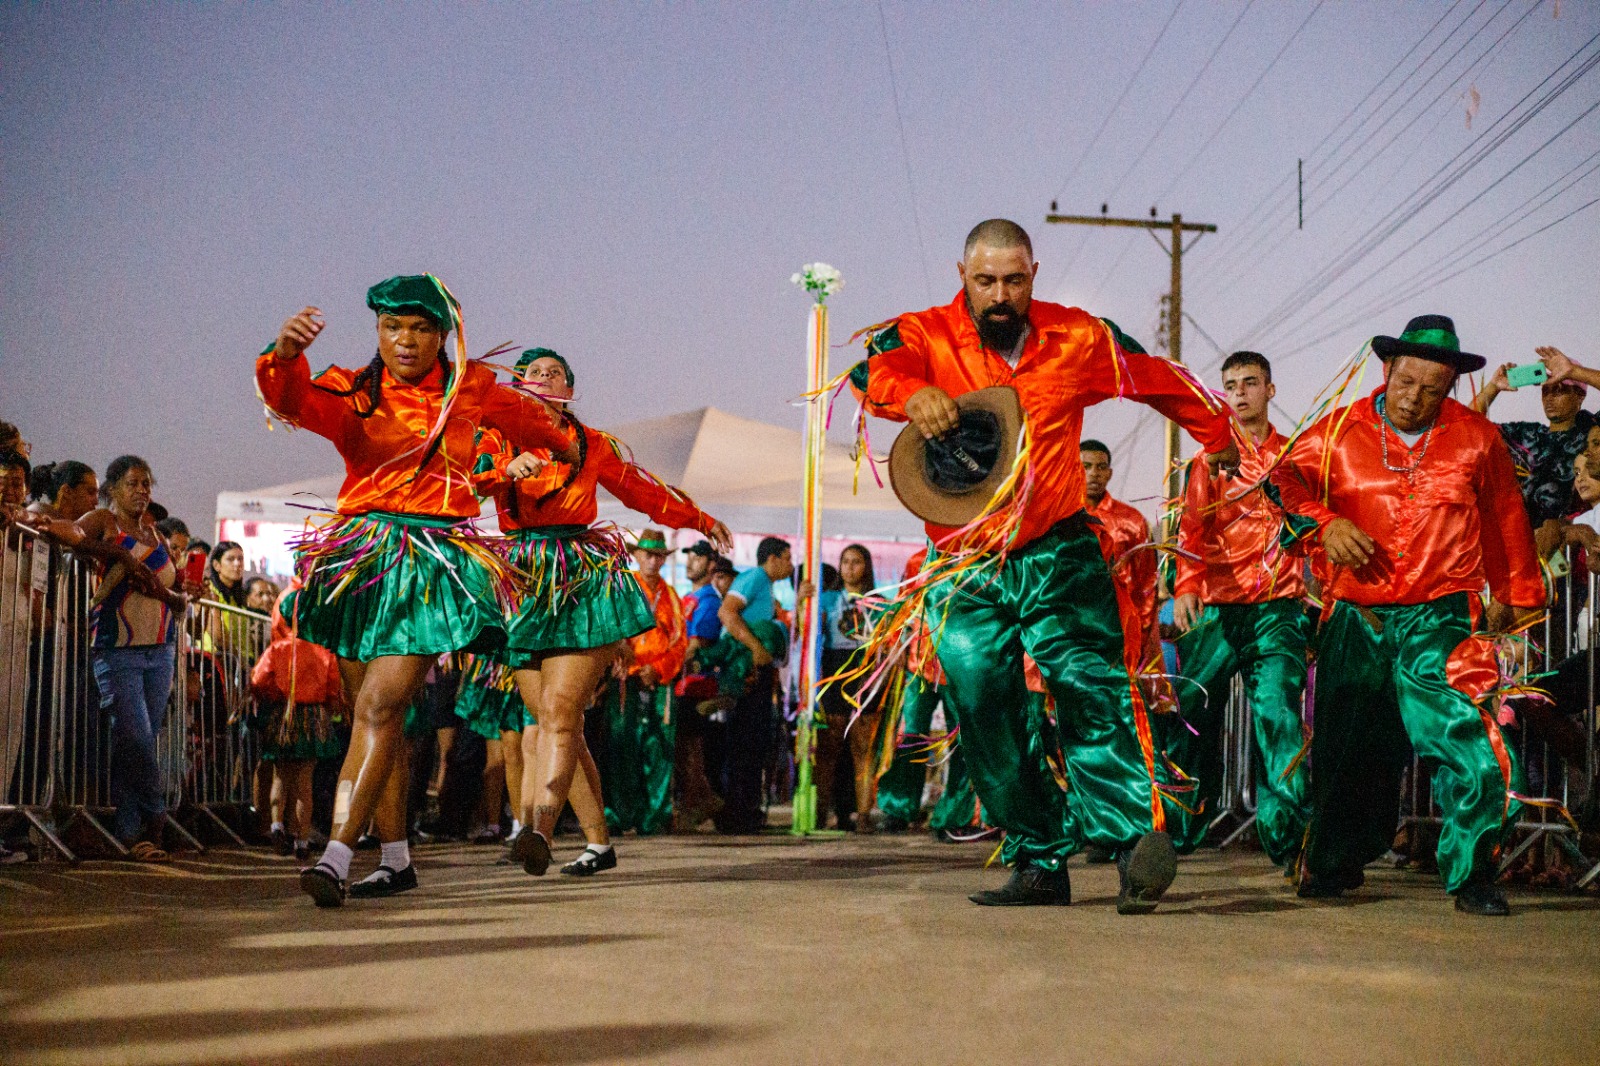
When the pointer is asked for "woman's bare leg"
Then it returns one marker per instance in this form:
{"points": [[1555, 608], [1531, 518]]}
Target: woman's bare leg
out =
{"points": [[494, 783], [295, 779], [511, 752], [383, 688], [559, 691]]}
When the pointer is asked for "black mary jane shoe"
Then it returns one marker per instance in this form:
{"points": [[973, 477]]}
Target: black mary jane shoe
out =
{"points": [[591, 862], [385, 881], [1145, 872], [1482, 898], [322, 886], [1030, 886], [532, 850]]}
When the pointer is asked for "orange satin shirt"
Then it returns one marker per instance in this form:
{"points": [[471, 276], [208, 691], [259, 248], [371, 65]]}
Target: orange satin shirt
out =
{"points": [[1457, 523], [379, 475], [575, 505], [1124, 529], [667, 645], [1069, 362], [1235, 533]]}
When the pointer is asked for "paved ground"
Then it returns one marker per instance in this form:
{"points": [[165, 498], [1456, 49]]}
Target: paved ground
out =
{"points": [[773, 950]]}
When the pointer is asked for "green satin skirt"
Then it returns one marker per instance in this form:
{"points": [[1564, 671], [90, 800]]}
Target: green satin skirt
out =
{"points": [[381, 584], [1384, 688], [579, 592], [488, 701], [1054, 599], [1265, 645]]}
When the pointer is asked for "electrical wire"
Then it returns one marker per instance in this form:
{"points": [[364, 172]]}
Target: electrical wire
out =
{"points": [[905, 155]]}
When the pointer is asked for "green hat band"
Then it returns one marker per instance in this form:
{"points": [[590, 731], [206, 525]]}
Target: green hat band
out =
{"points": [[1437, 338], [652, 544], [533, 355], [415, 294]]}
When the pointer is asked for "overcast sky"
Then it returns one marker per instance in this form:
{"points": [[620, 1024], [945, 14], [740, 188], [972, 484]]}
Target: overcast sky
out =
{"points": [[634, 184]]}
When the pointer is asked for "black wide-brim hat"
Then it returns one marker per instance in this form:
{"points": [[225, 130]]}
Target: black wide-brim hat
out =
{"points": [[1430, 337], [949, 480]]}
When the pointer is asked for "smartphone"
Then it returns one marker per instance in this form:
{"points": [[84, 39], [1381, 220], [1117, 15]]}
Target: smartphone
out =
{"points": [[1531, 374], [194, 568]]}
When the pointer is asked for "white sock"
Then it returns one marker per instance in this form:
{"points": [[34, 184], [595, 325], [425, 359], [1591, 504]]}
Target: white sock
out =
{"points": [[598, 849], [336, 857], [302, 843], [396, 856], [516, 826], [277, 827]]}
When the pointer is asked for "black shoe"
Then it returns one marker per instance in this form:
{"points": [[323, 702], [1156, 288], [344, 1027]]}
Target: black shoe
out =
{"points": [[322, 886], [281, 842], [1329, 886], [893, 823], [1099, 855], [368, 842], [302, 852], [591, 862], [1030, 886], [532, 850], [385, 881], [1146, 870], [1481, 897]]}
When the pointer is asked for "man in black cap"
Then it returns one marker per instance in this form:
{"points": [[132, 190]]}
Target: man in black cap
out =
{"points": [[1414, 502]]}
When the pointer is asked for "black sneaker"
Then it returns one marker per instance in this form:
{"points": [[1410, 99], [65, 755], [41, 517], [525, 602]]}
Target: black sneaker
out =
{"points": [[1146, 870], [532, 850], [1480, 896], [1030, 886], [281, 842], [591, 862], [322, 886], [1329, 886], [385, 881]]}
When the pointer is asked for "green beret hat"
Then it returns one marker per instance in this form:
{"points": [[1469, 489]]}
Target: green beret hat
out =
{"points": [[532, 355], [416, 294]]}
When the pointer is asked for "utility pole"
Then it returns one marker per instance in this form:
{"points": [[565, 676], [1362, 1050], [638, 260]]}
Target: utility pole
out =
{"points": [[1177, 226]]}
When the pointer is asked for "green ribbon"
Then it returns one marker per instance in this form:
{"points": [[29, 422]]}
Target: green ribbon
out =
{"points": [[1438, 338]]}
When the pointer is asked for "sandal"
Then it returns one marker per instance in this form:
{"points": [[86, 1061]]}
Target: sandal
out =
{"points": [[144, 851]]}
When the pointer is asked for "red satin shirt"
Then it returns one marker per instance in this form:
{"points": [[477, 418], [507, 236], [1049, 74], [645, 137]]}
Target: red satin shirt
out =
{"points": [[1069, 362], [379, 475], [1457, 523], [667, 645], [605, 464], [1234, 530], [1123, 529]]}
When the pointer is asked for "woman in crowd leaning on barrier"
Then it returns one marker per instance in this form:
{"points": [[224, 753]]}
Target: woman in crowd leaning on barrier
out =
{"points": [[398, 576], [298, 690], [134, 620], [582, 602], [67, 490], [227, 630]]}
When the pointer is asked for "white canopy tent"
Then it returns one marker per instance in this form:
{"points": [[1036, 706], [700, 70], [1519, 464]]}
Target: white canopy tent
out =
{"points": [[746, 473]]}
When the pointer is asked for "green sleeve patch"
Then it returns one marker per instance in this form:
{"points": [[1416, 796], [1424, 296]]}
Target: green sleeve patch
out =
{"points": [[859, 375], [484, 464], [1125, 342], [269, 349], [885, 340], [324, 372]]}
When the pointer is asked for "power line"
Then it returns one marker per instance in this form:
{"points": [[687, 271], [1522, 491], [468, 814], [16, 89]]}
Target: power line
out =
{"points": [[1452, 171], [905, 155], [1241, 102]]}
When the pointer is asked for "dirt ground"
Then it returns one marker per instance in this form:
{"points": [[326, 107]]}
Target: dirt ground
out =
{"points": [[777, 950]]}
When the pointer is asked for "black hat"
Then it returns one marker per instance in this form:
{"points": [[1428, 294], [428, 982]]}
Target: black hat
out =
{"points": [[1430, 337], [701, 547], [721, 564]]}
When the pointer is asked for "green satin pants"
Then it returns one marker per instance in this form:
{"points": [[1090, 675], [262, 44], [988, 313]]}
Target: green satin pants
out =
{"points": [[1265, 644], [637, 775], [1054, 600], [1380, 682], [900, 786]]}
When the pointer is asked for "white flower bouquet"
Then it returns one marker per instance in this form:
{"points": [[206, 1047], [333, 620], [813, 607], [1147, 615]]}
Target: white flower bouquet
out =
{"points": [[820, 280]]}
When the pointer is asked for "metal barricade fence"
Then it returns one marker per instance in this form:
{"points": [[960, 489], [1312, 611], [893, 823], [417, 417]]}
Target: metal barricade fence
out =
{"points": [[56, 740], [1570, 629]]}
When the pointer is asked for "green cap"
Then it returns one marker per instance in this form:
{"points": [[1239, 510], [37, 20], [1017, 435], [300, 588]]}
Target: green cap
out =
{"points": [[416, 294], [533, 355]]}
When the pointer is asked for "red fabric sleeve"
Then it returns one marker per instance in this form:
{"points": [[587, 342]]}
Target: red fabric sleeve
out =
{"points": [[1298, 478], [1158, 383], [1143, 565], [894, 376], [643, 492], [285, 387], [524, 421], [1191, 523]]}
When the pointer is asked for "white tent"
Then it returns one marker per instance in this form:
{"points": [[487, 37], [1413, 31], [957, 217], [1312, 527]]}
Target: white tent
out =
{"points": [[745, 472]]}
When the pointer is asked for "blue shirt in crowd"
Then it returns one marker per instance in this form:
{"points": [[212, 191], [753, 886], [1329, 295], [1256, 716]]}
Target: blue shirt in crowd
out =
{"points": [[703, 622], [754, 587]]}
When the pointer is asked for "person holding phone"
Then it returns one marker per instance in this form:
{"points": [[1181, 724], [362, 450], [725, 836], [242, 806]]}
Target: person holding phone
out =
{"points": [[1544, 451]]}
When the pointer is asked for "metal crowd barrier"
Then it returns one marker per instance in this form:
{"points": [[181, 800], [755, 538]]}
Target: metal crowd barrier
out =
{"points": [[55, 737], [1570, 627]]}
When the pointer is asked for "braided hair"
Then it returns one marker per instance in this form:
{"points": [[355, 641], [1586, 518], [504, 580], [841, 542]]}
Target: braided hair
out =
{"points": [[368, 380], [571, 420]]}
